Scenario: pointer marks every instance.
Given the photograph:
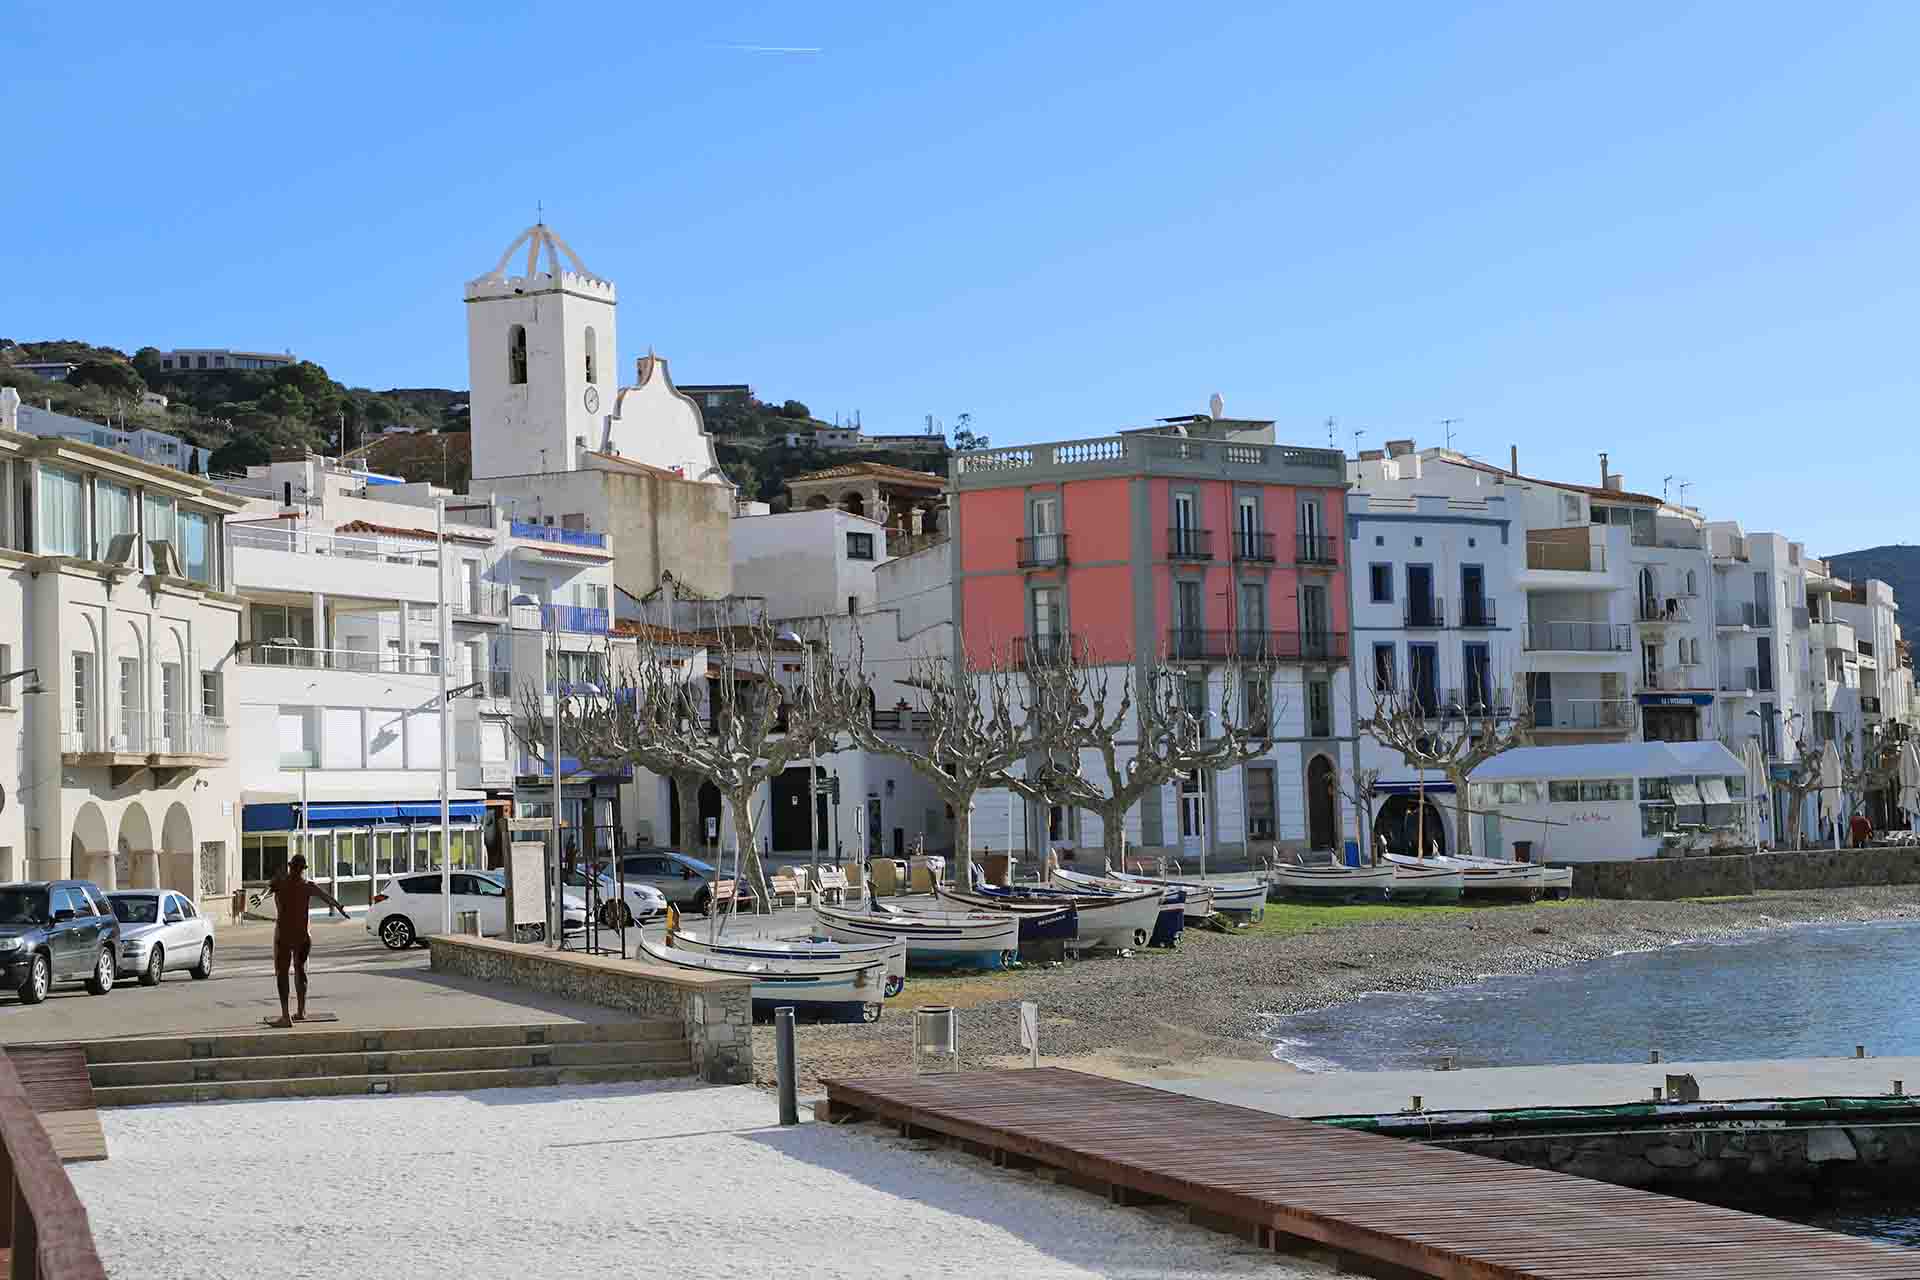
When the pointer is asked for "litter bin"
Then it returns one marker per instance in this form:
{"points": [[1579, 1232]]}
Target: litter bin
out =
{"points": [[1353, 853], [936, 1039], [1523, 851], [467, 922]]}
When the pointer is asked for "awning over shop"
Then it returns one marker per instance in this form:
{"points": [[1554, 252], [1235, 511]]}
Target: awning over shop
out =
{"points": [[1714, 791], [1683, 791], [286, 817]]}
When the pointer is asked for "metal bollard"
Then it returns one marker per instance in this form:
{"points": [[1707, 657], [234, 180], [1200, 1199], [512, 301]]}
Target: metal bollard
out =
{"points": [[783, 1054]]}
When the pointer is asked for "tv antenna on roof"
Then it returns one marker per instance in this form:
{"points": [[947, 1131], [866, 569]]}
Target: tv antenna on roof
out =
{"points": [[1446, 429], [1665, 482], [1331, 422]]}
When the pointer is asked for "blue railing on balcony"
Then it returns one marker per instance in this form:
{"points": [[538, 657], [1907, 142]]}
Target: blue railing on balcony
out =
{"points": [[574, 617], [547, 533]]}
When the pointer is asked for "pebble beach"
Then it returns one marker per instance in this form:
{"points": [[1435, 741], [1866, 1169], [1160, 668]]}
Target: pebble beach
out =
{"points": [[1206, 1006]]}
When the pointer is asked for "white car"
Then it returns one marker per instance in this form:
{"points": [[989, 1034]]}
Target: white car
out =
{"points": [[161, 930], [641, 901], [409, 907]]}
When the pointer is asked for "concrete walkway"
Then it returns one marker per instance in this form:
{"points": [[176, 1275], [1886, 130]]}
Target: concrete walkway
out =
{"points": [[350, 974], [1283, 1091]]}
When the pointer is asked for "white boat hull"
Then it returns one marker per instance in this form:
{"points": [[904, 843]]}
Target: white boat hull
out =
{"points": [[1417, 881], [1492, 878], [1231, 897], [948, 938], [1334, 883], [1104, 922], [846, 993], [835, 954]]}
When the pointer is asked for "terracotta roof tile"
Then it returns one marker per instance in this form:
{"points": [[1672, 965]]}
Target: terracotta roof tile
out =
{"points": [[878, 470]]}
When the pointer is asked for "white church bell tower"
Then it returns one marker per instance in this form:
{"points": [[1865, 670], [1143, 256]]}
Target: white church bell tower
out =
{"points": [[540, 358]]}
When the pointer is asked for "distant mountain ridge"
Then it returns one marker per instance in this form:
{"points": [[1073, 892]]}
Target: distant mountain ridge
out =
{"points": [[1897, 565]]}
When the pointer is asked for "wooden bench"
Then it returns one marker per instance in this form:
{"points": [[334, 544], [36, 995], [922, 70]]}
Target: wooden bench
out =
{"points": [[831, 884], [790, 886]]}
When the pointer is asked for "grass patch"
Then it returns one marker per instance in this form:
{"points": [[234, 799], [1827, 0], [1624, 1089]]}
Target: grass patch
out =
{"points": [[1285, 918]]}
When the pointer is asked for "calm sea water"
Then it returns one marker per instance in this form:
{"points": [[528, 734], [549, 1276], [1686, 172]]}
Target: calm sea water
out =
{"points": [[1786, 993]]}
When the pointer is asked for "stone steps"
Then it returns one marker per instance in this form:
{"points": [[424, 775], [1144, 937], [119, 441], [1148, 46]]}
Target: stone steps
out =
{"points": [[413, 1082], [326, 1060]]}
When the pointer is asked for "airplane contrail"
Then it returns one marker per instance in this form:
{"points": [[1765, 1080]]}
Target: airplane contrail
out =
{"points": [[768, 48]]}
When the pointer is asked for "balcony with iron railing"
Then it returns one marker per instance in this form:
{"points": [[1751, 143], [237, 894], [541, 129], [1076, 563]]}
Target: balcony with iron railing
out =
{"points": [[1042, 551], [1045, 650], [562, 537], [1578, 637], [1192, 644], [1189, 544], [1314, 548], [368, 661], [482, 600], [1743, 613], [1661, 610], [1582, 715], [1457, 704], [1423, 613], [1252, 546], [1477, 613], [130, 731]]}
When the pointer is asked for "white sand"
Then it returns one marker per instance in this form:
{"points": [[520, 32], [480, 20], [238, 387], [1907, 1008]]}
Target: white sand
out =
{"points": [[612, 1179]]}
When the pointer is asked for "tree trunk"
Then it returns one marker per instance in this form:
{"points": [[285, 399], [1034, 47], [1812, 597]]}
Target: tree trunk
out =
{"points": [[691, 835], [751, 869], [962, 839], [1113, 838], [1795, 810], [1463, 819]]}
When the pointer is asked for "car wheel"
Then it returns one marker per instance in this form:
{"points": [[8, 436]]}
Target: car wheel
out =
{"points": [[616, 915], [702, 903], [102, 980], [156, 967], [204, 969], [38, 982], [397, 932]]}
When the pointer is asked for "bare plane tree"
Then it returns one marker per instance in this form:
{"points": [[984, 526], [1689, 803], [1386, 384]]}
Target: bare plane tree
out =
{"points": [[734, 706], [1869, 762], [1144, 735], [1451, 736], [1800, 777], [976, 730]]}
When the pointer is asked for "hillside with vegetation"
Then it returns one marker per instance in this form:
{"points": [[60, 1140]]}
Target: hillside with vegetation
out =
{"points": [[418, 433], [242, 415]]}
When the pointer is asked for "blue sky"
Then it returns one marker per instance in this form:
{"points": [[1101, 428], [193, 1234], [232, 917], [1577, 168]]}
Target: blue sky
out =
{"points": [[1686, 234]]}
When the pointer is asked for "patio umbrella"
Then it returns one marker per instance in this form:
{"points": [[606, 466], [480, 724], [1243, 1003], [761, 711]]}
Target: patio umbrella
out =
{"points": [[1755, 761], [1830, 781]]}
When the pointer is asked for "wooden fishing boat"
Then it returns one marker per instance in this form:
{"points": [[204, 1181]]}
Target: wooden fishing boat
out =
{"points": [[1420, 880], [843, 993], [1332, 882], [1196, 901], [978, 938], [1494, 878], [830, 953], [1556, 882], [1116, 921], [1230, 897]]}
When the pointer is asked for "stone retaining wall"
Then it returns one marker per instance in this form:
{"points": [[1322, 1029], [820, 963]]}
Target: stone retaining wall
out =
{"points": [[1734, 875], [715, 1009], [1728, 1166]]}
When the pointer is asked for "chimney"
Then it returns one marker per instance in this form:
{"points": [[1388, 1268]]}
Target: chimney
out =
{"points": [[1603, 472], [1399, 448], [1613, 482], [1373, 455], [1513, 459]]}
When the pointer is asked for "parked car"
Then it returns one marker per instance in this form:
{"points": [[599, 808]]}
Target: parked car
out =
{"points": [[409, 907], [54, 931], [161, 930], [641, 901], [685, 881]]}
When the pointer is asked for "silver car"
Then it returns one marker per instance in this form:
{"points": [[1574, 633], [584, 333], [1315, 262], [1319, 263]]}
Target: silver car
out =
{"points": [[161, 930]]}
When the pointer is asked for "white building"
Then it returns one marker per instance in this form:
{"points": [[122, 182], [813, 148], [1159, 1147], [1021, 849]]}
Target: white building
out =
{"points": [[142, 442], [205, 359], [117, 626]]}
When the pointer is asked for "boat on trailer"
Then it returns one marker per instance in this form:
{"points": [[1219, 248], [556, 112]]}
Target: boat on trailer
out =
{"points": [[1421, 880], [849, 992], [831, 952], [949, 938], [1332, 882], [1116, 921]]}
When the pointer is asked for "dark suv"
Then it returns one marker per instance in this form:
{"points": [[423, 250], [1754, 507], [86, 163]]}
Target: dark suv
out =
{"points": [[56, 931]]}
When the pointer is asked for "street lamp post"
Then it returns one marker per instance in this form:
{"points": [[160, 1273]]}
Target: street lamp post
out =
{"points": [[445, 646]]}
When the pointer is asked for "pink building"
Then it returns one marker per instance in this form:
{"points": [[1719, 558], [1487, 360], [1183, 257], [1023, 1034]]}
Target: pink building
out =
{"points": [[1180, 547]]}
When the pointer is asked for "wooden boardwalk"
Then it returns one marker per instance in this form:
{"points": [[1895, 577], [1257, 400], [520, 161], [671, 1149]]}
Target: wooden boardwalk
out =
{"points": [[1424, 1210]]}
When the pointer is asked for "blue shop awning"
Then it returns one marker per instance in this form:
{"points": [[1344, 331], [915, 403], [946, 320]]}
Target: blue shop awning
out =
{"points": [[286, 817]]}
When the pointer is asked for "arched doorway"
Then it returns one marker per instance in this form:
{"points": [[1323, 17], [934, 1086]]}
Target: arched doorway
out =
{"points": [[90, 851], [177, 866], [137, 860], [1408, 826], [1323, 817], [853, 504]]}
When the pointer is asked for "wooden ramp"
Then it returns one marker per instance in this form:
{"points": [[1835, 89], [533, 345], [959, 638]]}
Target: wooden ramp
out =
{"points": [[60, 1092], [1423, 1210]]}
